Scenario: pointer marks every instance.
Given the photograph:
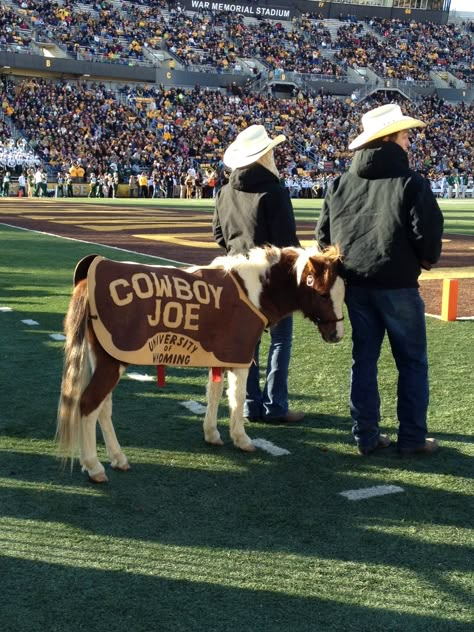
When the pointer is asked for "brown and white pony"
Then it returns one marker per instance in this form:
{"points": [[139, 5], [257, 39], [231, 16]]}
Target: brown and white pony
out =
{"points": [[277, 282]]}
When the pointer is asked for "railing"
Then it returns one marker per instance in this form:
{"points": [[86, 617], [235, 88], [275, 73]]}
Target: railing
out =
{"points": [[307, 76], [124, 61], [17, 48], [216, 70], [391, 84]]}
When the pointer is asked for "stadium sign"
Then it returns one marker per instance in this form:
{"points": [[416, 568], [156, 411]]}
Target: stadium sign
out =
{"points": [[269, 11]]}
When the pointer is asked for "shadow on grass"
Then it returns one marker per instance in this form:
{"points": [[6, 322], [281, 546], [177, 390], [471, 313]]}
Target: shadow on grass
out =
{"points": [[200, 505], [222, 498], [61, 598]]}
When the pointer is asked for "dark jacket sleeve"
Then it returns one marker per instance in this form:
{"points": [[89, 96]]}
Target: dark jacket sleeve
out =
{"points": [[323, 226], [217, 230], [425, 222], [281, 224]]}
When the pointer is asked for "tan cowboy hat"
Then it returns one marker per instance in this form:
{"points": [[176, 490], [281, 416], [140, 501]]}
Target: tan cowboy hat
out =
{"points": [[249, 146], [383, 121]]}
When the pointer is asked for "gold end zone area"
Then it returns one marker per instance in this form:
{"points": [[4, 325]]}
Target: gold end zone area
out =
{"points": [[186, 236]]}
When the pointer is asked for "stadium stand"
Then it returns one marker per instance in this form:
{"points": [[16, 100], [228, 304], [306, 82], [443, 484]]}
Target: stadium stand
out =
{"points": [[216, 72]]}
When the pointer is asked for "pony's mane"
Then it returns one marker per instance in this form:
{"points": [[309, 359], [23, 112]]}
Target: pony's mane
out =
{"points": [[302, 260], [252, 268]]}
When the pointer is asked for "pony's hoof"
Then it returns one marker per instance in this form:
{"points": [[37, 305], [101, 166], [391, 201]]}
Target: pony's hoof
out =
{"points": [[247, 447], [101, 477], [122, 467], [217, 441], [213, 437]]}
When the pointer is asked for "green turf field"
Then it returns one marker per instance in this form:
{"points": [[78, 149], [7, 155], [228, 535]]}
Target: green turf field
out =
{"points": [[197, 538]]}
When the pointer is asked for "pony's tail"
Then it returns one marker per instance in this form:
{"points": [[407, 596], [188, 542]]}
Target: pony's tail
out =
{"points": [[76, 373]]}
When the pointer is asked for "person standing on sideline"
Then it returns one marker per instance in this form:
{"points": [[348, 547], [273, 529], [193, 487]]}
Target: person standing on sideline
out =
{"points": [[388, 225], [21, 185], [59, 189], [253, 209], [132, 186], [92, 186], [6, 184]]}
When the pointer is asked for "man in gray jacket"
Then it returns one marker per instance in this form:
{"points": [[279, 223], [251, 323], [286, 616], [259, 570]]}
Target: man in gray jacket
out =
{"points": [[388, 225], [254, 209]]}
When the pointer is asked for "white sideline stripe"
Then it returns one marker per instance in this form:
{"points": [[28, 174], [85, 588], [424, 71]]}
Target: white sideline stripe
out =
{"points": [[6, 309], [28, 321], [57, 336], [268, 446], [369, 492], [139, 377], [457, 318], [194, 407], [91, 243]]}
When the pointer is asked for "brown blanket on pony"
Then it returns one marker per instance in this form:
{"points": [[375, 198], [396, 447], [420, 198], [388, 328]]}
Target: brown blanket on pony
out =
{"points": [[170, 316]]}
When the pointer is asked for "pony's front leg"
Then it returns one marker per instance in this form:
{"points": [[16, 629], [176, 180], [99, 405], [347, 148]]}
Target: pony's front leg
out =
{"points": [[118, 460], [214, 394], [237, 380], [89, 461]]}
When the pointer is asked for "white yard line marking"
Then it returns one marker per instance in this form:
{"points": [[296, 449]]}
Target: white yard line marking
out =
{"points": [[369, 492], [194, 407], [268, 446], [6, 309], [28, 321], [139, 377], [263, 444], [57, 336]]}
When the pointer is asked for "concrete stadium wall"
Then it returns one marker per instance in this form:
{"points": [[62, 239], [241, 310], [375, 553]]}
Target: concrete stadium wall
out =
{"points": [[36, 65]]}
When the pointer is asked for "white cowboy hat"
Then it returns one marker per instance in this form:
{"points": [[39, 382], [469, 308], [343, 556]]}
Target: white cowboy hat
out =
{"points": [[383, 121], [249, 146]]}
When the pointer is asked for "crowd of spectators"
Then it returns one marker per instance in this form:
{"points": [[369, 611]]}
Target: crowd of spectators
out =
{"points": [[402, 49], [165, 132], [15, 33], [290, 47], [386, 58], [427, 45], [102, 136], [97, 31]]}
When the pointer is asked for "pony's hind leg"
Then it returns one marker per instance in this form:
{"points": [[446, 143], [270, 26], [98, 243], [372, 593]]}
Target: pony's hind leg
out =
{"points": [[214, 394], [97, 394], [118, 460], [88, 458], [237, 380]]}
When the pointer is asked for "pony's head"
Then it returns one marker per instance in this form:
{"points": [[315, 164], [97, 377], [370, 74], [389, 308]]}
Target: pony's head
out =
{"points": [[322, 290]]}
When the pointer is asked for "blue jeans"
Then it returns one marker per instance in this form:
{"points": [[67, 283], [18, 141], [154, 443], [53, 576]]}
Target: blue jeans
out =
{"points": [[273, 400], [401, 314]]}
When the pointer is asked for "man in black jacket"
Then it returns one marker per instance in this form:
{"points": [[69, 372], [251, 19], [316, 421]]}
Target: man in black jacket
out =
{"points": [[388, 225], [254, 209]]}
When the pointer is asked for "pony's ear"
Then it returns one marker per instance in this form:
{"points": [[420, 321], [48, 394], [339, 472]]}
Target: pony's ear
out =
{"points": [[316, 274], [332, 253], [324, 267]]}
